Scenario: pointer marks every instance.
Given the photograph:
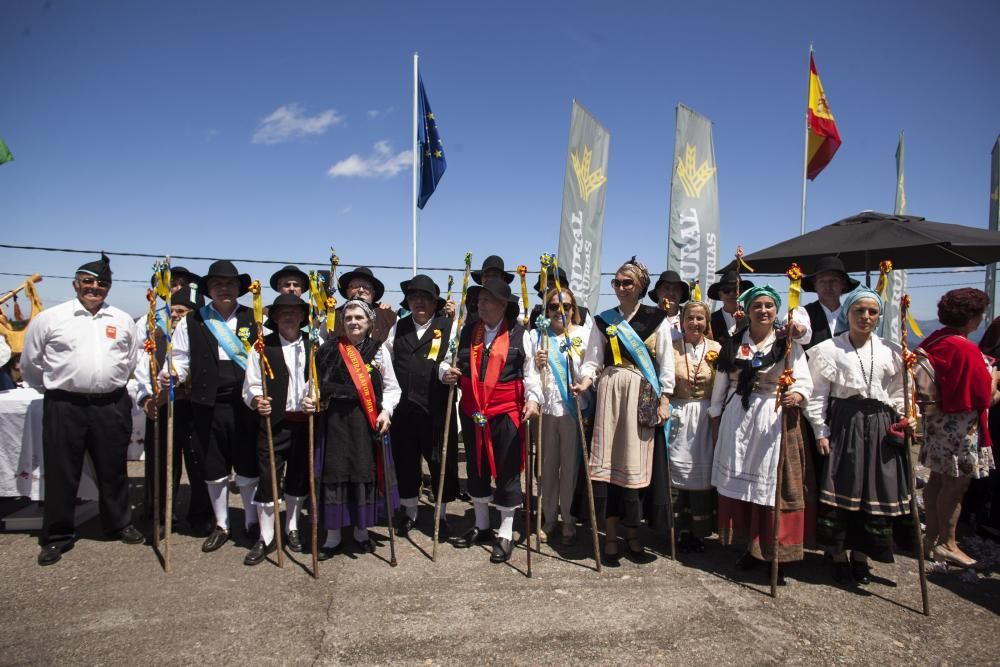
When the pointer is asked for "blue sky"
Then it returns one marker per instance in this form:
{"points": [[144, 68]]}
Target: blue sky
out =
{"points": [[144, 126]]}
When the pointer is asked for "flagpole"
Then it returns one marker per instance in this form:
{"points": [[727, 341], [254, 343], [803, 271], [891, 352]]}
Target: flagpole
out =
{"points": [[805, 147], [416, 160]]}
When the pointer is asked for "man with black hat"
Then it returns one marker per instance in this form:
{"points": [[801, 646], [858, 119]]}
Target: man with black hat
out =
{"points": [[290, 279], [724, 322], [199, 515], [669, 293], [81, 353], [207, 346], [492, 268], [288, 403], [362, 284], [179, 277], [550, 283], [829, 282], [418, 344], [500, 391]]}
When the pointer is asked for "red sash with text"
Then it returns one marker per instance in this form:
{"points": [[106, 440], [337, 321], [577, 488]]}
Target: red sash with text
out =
{"points": [[358, 370]]}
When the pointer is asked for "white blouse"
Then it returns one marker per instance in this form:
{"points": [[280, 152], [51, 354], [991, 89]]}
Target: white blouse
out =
{"points": [[593, 359]]}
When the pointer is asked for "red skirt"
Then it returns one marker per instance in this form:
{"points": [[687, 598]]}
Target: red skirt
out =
{"points": [[743, 522]]}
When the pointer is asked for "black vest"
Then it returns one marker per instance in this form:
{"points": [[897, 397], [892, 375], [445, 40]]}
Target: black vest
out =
{"points": [[513, 368], [820, 329], [277, 389], [204, 353], [644, 322], [720, 331], [416, 374]]}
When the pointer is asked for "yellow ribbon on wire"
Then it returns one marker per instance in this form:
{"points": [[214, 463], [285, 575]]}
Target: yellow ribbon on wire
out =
{"points": [[884, 269], [696, 289], [435, 345], [913, 324], [522, 271], [794, 274], [258, 318], [739, 259], [616, 350]]}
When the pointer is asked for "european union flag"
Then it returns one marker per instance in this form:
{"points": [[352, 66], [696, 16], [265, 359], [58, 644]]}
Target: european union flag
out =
{"points": [[432, 163]]}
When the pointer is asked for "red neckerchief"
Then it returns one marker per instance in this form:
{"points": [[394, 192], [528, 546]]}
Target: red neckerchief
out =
{"points": [[482, 390]]}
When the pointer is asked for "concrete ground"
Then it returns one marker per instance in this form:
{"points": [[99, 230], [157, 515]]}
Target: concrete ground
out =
{"points": [[109, 603]]}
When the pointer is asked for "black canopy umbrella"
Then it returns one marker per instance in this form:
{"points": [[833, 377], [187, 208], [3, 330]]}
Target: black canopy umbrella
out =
{"points": [[863, 240]]}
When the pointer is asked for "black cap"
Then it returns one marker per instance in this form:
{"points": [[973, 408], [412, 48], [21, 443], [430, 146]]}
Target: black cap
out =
{"points": [[492, 262], [361, 272], [99, 268], [728, 278], [188, 296], [670, 277], [286, 301], [828, 264], [290, 270], [223, 268], [424, 283]]}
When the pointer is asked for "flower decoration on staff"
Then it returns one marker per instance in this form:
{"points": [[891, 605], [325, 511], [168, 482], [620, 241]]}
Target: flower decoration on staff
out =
{"points": [[616, 350], [904, 306], [696, 289], [794, 274], [543, 323], [884, 269], [258, 318], [711, 356], [479, 418], [522, 271], [666, 303], [543, 274]]}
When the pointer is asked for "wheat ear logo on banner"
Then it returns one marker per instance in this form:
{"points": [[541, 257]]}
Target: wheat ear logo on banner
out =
{"points": [[693, 177], [588, 181]]}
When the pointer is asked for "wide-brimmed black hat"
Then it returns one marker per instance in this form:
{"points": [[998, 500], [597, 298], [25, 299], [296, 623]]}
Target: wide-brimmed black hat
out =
{"points": [[825, 265], [424, 283], [223, 268], [361, 272], [292, 270], [492, 262], [501, 290], [670, 277], [728, 278], [540, 290], [178, 272], [99, 268], [189, 296], [286, 301]]}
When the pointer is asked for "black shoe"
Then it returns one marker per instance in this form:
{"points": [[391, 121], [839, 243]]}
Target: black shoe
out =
{"points": [[611, 559], [129, 535], [474, 536], [218, 537], [326, 553], [638, 556], [747, 562], [367, 546], [842, 574], [444, 532], [502, 549], [861, 571], [405, 525], [292, 541], [259, 552], [52, 553]]}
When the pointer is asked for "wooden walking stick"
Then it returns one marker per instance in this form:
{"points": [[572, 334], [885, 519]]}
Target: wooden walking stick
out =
{"points": [[909, 358], [453, 346], [317, 303], [542, 323], [388, 504], [164, 289], [671, 528], [265, 373], [546, 260], [150, 348], [786, 380]]}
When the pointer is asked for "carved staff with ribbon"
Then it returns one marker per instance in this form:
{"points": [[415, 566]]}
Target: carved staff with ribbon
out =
{"points": [[549, 259], [150, 348], [909, 407], [542, 324], [163, 290], [317, 305], [265, 375], [453, 347]]}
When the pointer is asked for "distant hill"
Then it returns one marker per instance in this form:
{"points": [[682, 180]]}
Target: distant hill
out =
{"points": [[929, 326]]}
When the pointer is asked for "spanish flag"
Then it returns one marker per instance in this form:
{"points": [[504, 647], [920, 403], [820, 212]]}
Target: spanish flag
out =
{"points": [[824, 139]]}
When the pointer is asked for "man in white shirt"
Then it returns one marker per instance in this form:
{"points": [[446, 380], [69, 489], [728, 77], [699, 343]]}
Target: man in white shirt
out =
{"points": [[288, 405], [830, 281], [501, 391], [81, 353]]}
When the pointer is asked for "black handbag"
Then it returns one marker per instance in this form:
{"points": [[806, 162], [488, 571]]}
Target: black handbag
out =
{"points": [[648, 404]]}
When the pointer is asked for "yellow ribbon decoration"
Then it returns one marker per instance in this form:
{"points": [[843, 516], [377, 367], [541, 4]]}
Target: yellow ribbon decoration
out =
{"points": [[616, 350], [794, 274], [522, 271], [258, 318], [696, 289], [739, 259], [435, 345], [884, 269], [913, 324]]}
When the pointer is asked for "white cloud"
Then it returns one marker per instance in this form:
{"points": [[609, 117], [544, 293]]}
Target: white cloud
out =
{"points": [[288, 122], [345, 211], [381, 162], [373, 113]]}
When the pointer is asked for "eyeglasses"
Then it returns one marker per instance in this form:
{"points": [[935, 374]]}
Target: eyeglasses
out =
{"points": [[360, 288], [90, 282], [554, 307], [625, 282]]}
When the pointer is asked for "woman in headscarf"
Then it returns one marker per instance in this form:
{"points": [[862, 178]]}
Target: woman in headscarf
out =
{"points": [[746, 424], [633, 344], [957, 445], [854, 411], [691, 444], [358, 392]]}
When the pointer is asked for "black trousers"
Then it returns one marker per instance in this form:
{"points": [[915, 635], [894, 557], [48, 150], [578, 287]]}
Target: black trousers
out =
{"points": [[507, 453], [415, 435], [199, 507], [71, 425], [291, 459], [225, 438]]}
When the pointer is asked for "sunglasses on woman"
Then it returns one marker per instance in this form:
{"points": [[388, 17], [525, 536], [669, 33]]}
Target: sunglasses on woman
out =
{"points": [[554, 307], [624, 282]]}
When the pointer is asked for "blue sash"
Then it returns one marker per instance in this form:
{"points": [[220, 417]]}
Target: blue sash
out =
{"points": [[161, 321], [635, 346], [227, 340], [560, 372]]}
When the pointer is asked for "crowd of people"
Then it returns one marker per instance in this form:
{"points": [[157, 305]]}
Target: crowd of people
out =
{"points": [[710, 422]]}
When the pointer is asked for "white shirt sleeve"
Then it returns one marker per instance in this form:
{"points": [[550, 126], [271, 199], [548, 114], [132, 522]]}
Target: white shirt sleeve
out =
{"points": [[251, 379], [4, 351], [144, 387], [803, 383], [816, 406], [802, 317], [665, 356], [532, 381], [391, 393], [182, 351], [33, 352], [391, 338], [593, 354]]}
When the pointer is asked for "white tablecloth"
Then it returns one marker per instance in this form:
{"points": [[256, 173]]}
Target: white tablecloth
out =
{"points": [[22, 472]]}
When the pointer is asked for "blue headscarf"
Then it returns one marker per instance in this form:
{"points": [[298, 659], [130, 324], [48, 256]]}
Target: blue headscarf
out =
{"points": [[860, 292], [747, 297]]}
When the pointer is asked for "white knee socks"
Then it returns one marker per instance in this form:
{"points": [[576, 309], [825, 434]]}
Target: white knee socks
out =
{"points": [[265, 512], [482, 509], [360, 534], [506, 523], [218, 491], [293, 505], [332, 538], [248, 487], [410, 505]]}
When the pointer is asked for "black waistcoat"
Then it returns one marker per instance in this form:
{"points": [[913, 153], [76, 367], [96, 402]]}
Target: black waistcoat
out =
{"points": [[513, 367], [204, 353], [820, 329], [277, 389], [644, 322], [416, 374]]}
